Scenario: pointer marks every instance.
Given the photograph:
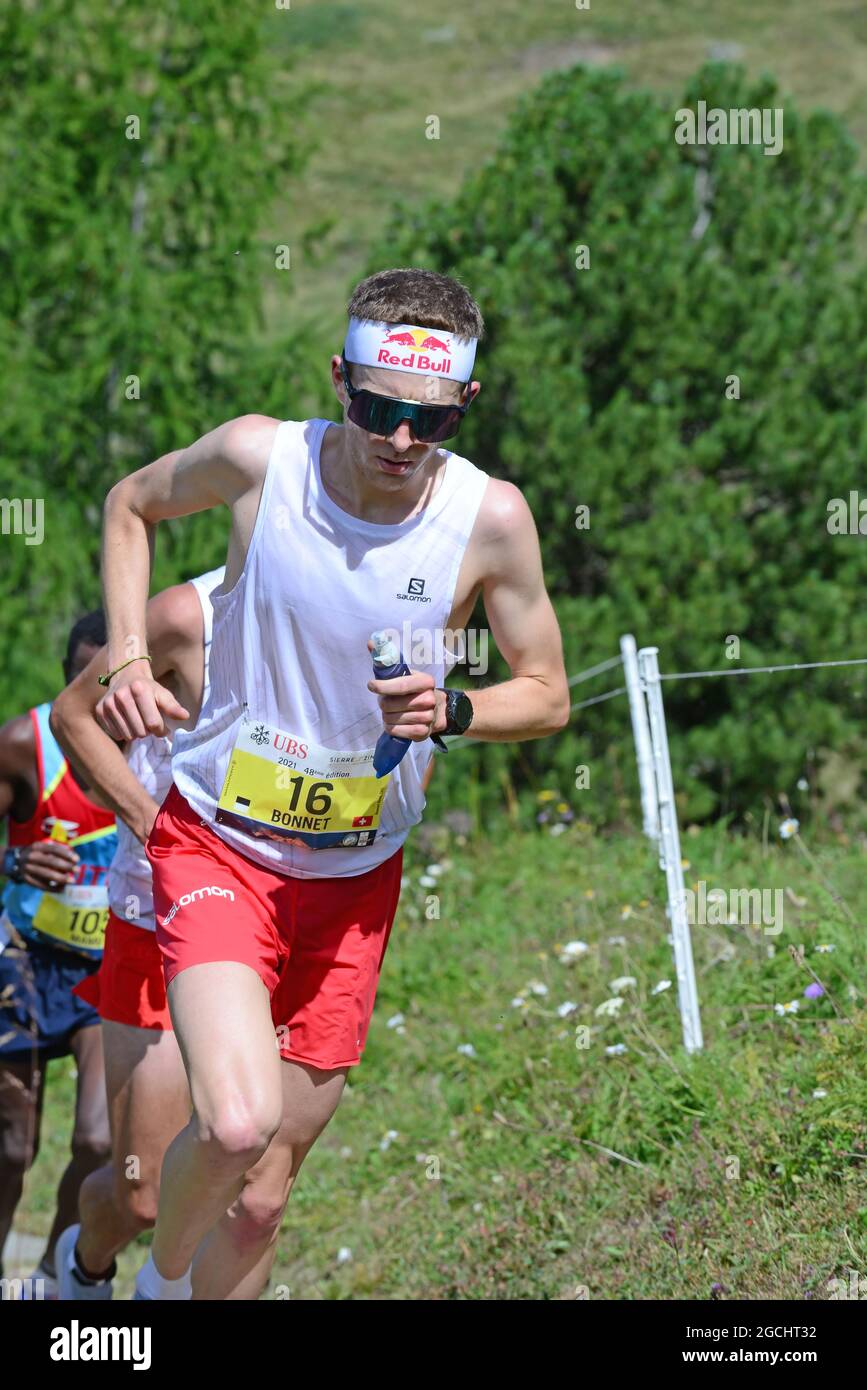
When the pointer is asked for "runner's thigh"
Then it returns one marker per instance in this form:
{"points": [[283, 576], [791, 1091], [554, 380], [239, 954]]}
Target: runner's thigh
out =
{"points": [[91, 1104], [221, 1013], [148, 1095]]}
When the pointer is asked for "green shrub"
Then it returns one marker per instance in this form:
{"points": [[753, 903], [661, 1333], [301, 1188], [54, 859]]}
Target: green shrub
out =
{"points": [[607, 387], [128, 258]]}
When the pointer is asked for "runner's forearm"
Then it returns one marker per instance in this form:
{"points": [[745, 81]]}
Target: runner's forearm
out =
{"points": [[522, 708], [128, 543], [105, 768]]}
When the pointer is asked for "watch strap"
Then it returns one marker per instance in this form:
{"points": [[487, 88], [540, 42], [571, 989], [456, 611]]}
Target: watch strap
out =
{"points": [[11, 867]]}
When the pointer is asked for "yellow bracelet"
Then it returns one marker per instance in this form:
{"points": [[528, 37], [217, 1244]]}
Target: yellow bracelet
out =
{"points": [[104, 680]]}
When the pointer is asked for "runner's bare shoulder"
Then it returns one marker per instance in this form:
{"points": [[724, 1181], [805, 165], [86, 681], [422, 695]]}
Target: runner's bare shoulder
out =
{"points": [[235, 455], [503, 514], [18, 770], [17, 742], [247, 442]]}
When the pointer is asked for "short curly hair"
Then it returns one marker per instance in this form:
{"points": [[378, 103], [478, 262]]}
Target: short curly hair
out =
{"points": [[423, 297]]}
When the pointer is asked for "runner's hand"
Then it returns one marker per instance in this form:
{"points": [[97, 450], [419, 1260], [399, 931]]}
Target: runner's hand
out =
{"points": [[136, 706], [48, 864], [411, 705]]}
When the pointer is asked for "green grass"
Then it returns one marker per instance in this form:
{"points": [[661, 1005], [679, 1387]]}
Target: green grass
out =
{"points": [[736, 1174], [384, 67]]}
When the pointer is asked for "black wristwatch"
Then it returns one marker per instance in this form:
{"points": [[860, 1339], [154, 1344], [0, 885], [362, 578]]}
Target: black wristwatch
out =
{"points": [[459, 712], [12, 864]]}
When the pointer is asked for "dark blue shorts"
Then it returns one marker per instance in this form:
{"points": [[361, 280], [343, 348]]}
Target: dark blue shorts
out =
{"points": [[38, 1010]]}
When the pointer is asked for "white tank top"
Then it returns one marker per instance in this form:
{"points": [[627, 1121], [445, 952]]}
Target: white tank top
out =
{"points": [[130, 891], [290, 663]]}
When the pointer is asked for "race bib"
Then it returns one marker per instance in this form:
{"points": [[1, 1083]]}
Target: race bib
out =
{"points": [[75, 918], [286, 788]]}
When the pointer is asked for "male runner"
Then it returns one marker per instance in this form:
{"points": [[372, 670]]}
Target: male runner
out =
{"points": [[52, 920], [276, 842], [148, 1095], [149, 1099]]}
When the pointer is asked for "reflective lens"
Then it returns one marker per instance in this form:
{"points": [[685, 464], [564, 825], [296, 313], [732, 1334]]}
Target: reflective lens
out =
{"points": [[382, 415]]}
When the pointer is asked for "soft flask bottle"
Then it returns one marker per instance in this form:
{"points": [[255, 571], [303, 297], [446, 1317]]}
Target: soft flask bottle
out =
{"points": [[387, 665]]}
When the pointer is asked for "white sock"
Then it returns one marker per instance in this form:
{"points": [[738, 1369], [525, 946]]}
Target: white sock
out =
{"points": [[151, 1284]]}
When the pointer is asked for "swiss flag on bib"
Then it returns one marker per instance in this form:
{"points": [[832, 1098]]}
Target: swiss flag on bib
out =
{"points": [[361, 821]]}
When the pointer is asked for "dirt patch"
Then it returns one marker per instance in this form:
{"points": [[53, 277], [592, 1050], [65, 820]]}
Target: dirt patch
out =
{"points": [[546, 57]]}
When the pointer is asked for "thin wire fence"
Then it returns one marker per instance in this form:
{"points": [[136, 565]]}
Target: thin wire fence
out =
{"points": [[614, 661]]}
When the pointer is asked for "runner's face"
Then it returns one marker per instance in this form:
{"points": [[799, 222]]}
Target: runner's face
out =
{"points": [[81, 657], [400, 456]]}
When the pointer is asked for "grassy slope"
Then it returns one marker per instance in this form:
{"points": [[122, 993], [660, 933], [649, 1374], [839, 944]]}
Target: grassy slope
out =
{"points": [[528, 1204], [385, 66]]}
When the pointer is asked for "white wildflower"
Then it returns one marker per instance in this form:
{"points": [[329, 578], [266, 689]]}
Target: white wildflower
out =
{"points": [[572, 950], [623, 982], [611, 1006]]}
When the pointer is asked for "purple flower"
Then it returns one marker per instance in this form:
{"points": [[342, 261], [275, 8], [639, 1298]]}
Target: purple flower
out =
{"points": [[542, 817], [813, 991]]}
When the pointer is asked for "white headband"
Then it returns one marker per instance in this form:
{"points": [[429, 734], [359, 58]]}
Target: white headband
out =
{"points": [[402, 347]]}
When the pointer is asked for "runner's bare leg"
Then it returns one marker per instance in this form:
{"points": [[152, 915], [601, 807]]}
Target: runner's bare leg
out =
{"points": [[22, 1087], [149, 1103], [91, 1137], [222, 1019], [234, 1260]]}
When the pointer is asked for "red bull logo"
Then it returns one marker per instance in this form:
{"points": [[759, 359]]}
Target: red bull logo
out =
{"points": [[422, 344]]}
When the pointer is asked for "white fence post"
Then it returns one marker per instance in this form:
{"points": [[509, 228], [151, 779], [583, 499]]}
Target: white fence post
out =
{"points": [[670, 856], [641, 735]]}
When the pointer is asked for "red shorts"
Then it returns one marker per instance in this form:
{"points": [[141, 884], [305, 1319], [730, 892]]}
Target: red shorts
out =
{"points": [[128, 987], [317, 944]]}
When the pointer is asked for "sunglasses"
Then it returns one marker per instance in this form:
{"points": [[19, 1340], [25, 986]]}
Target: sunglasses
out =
{"points": [[383, 414]]}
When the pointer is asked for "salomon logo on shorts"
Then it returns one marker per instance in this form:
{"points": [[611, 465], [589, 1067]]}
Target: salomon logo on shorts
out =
{"points": [[198, 893]]}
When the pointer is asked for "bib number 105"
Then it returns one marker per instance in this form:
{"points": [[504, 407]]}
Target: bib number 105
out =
{"points": [[87, 922]]}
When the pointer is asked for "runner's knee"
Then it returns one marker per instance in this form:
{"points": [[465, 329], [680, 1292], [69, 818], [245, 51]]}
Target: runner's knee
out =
{"points": [[89, 1146], [18, 1148], [238, 1131], [257, 1215], [138, 1201]]}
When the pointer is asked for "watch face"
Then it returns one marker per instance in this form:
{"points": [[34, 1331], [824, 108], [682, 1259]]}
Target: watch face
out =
{"points": [[463, 711]]}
